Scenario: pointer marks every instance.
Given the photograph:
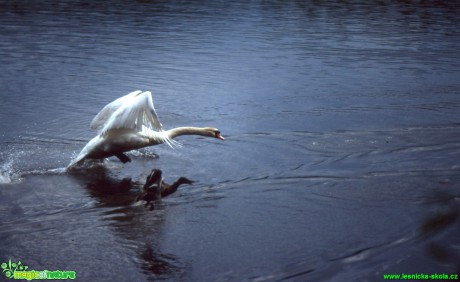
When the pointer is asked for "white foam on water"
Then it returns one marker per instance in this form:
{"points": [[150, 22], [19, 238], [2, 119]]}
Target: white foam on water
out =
{"points": [[11, 171], [8, 174]]}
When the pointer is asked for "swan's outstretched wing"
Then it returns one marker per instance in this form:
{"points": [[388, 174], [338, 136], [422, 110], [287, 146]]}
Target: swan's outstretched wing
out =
{"points": [[135, 113], [101, 118]]}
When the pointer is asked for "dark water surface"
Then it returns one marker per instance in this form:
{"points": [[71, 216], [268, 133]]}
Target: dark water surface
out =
{"points": [[342, 153]]}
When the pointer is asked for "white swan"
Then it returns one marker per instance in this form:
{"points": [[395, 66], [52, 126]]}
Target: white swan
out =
{"points": [[130, 123]]}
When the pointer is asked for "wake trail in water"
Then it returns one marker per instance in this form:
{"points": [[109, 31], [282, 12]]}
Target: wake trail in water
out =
{"points": [[10, 175]]}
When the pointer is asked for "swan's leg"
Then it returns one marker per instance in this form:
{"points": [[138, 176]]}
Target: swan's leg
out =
{"points": [[123, 158]]}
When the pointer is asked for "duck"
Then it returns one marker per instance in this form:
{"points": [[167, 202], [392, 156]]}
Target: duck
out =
{"points": [[151, 191], [167, 189], [155, 188], [129, 123]]}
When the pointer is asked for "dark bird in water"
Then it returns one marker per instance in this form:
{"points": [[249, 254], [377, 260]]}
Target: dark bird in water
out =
{"points": [[155, 188], [152, 189], [167, 189]]}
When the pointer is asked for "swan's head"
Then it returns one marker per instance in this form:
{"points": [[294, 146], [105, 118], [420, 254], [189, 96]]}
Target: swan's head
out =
{"points": [[213, 132]]}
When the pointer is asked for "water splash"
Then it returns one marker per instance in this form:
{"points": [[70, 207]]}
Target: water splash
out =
{"points": [[8, 173], [18, 161]]}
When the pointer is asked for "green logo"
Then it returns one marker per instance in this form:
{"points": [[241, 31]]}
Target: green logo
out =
{"points": [[10, 267], [13, 270]]}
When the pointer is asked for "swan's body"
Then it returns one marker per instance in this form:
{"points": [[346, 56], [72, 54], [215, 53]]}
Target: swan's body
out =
{"points": [[131, 123]]}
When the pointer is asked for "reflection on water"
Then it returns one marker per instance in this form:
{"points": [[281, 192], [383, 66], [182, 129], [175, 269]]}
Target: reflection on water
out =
{"points": [[341, 161], [132, 223]]}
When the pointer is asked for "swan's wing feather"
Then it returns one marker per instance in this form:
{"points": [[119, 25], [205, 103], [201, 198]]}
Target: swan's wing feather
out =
{"points": [[104, 115], [150, 115], [134, 114], [160, 137]]}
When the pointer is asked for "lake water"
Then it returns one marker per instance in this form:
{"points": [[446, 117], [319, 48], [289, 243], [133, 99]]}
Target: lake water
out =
{"points": [[342, 153]]}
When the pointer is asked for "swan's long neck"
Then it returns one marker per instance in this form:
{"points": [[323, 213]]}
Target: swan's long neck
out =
{"points": [[186, 130], [155, 138]]}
